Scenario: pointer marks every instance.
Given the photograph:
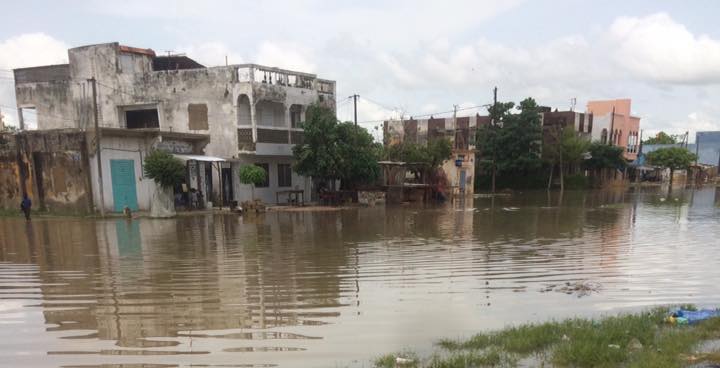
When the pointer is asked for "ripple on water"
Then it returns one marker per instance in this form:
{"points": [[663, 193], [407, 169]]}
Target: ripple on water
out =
{"points": [[333, 288]]}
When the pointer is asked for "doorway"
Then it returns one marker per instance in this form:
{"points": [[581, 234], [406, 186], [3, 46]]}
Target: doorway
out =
{"points": [[122, 173]]}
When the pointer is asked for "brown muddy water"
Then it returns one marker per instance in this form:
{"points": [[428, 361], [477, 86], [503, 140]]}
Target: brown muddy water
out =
{"points": [[336, 289]]}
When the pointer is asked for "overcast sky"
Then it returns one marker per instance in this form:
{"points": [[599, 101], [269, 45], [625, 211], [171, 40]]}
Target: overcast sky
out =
{"points": [[416, 57]]}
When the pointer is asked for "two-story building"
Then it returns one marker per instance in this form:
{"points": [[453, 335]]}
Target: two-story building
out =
{"points": [[214, 118]]}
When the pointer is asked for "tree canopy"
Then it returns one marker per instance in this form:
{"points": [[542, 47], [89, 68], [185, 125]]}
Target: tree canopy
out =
{"points": [[166, 169], [604, 156], [332, 150], [673, 158], [662, 138], [429, 156], [511, 143]]}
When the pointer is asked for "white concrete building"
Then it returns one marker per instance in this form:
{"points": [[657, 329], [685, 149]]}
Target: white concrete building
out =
{"points": [[214, 118]]}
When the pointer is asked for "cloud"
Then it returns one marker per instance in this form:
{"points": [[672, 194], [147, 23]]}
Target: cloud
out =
{"points": [[25, 50], [657, 48], [211, 53], [285, 55], [693, 122]]}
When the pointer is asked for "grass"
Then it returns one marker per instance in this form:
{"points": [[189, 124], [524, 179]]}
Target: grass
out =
{"points": [[628, 340]]}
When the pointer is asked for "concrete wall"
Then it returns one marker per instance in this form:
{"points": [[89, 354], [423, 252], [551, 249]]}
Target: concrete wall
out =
{"points": [[50, 166], [123, 148], [243, 192], [600, 122], [10, 191]]}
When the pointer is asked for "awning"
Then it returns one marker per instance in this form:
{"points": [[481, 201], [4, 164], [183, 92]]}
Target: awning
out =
{"points": [[198, 158]]}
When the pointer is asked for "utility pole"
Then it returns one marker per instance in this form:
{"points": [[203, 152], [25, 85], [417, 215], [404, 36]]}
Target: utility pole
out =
{"points": [[455, 107], [355, 97], [98, 137], [611, 141], [493, 124]]}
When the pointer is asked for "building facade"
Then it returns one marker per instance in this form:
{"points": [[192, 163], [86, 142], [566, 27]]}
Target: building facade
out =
{"points": [[460, 131], [214, 118], [614, 124]]}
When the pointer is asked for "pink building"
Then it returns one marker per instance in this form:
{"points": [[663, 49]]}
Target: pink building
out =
{"points": [[614, 125]]}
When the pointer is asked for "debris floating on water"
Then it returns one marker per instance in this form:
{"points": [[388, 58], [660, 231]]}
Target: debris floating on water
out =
{"points": [[580, 288]]}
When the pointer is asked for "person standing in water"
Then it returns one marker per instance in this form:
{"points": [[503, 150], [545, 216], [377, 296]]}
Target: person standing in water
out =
{"points": [[25, 206]]}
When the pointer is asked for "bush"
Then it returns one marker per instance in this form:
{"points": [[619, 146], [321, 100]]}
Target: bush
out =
{"points": [[166, 169], [252, 174]]}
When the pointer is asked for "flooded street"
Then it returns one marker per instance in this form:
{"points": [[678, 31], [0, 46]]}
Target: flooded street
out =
{"points": [[338, 288]]}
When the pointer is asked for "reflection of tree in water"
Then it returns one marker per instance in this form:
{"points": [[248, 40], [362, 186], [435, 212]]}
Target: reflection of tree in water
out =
{"points": [[131, 280]]}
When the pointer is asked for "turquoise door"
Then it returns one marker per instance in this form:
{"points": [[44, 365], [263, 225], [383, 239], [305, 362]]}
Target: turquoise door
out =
{"points": [[122, 173]]}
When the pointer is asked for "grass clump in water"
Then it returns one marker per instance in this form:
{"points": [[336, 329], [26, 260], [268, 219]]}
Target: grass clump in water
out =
{"points": [[628, 340]]}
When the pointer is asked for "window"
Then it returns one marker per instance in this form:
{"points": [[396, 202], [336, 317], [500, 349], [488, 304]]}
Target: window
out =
{"points": [[197, 116], [284, 175], [138, 119], [604, 136], [269, 113], [266, 183], [295, 116]]}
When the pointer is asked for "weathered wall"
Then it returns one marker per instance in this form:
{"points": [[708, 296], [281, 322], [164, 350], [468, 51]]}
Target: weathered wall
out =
{"points": [[178, 89], [10, 192], [53, 103], [52, 168]]}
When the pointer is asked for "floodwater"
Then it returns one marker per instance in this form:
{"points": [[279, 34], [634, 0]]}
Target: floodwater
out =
{"points": [[336, 289]]}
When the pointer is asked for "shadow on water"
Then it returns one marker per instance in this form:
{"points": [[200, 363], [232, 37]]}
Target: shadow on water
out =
{"points": [[309, 288]]}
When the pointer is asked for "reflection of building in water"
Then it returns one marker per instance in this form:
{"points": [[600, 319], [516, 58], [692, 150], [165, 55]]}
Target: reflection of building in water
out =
{"points": [[135, 279], [213, 273]]}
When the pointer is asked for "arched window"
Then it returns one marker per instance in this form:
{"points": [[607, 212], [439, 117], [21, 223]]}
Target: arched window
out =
{"points": [[243, 110], [604, 136]]}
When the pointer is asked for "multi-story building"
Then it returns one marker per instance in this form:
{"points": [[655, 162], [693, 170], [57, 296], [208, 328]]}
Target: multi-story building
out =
{"points": [[554, 121], [214, 118], [460, 168], [614, 124]]}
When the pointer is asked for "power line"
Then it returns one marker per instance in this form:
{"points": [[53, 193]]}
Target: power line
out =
{"points": [[430, 114], [381, 105]]}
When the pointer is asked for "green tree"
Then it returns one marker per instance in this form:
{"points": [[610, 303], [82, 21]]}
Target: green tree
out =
{"points": [[333, 150], [673, 158], [425, 158], [520, 140], [357, 157], [489, 139], [252, 175], [566, 149], [166, 169], [604, 156], [662, 138], [317, 156]]}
